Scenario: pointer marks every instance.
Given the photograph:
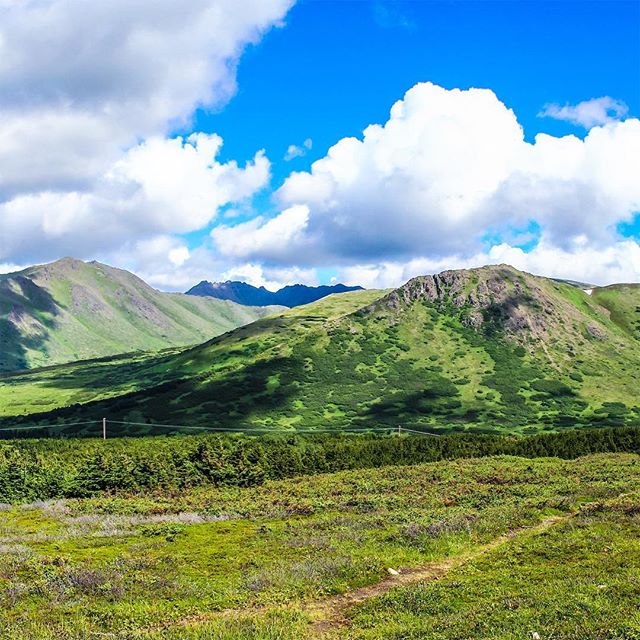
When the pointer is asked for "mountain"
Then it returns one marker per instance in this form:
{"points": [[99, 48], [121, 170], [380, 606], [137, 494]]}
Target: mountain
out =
{"points": [[243, 293], [239, 292], [485, 350], [69, 310], [298, 294]]}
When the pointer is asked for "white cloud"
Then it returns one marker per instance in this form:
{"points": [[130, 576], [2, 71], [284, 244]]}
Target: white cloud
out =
{"points": [[446, 168], [262, 237], [10, 268], [165, 262], [619, 262], [178, 256], [54, 150], [162, 186], [179, 183], [294, 151], [152, 260], [78, 85], [270, 278], [589, 113], [86, 100]]}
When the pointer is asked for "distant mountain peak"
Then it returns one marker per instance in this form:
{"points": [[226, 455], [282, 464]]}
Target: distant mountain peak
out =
{"points": [[70, 309], [290, 296]]}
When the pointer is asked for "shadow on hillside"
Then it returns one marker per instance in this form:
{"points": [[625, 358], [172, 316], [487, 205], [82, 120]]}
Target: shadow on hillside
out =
{"points": [[25, 301], [101, 373], [512, 309], [435, 401], [228, 402]]}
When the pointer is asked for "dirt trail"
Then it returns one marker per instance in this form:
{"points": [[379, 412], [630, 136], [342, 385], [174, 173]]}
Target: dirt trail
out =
{"points": [[330, 614]]}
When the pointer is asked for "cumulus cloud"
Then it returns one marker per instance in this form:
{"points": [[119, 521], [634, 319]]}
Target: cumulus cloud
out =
{"points": [[87, 100], [446, 168], [267, 238], [294, 151], [185, 267], [178, 255], [589, 113], [79, 85], [619, 262], [6, 267], [269, 277], [159, 187], [88, 167]]}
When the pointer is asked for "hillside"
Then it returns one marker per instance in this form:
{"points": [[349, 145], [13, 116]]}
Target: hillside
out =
{"points": [[243, 293], [623, 302], [70, 310], [490, 349]]}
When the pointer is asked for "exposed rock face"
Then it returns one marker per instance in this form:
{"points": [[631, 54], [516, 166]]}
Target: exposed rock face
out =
{"points": [[500, 294], [596, 332]]}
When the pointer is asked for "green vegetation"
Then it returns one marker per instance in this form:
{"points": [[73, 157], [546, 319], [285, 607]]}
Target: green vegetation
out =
{"points": [[484, 351], [507, 523], [508, 547], [45, 469], [71, 310], [623, 301], [577, 580]]}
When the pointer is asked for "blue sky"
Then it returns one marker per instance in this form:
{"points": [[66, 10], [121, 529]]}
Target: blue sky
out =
{"points": [[337, 66], [153, 136]]}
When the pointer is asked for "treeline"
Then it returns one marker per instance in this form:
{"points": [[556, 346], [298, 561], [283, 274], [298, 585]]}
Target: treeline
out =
{"points": [[43, 469]]}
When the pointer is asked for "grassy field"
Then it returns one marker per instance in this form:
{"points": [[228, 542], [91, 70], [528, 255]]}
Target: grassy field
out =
{"points": [[498, 547], [488, 350]]}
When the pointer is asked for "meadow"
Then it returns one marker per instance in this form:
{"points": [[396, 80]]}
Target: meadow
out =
{"points": [[494, 547]]}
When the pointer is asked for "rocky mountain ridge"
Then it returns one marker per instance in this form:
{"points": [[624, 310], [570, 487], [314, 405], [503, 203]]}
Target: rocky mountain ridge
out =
{"points": [[243, 293], [499, 295]]}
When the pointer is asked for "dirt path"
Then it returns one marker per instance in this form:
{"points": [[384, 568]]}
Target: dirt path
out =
{"points": [[330, 614]]}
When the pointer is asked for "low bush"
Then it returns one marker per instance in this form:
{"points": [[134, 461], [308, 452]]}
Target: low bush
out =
{"points": [[45, 469]]}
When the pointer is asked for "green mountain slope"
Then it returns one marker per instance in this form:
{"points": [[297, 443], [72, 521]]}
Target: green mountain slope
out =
{"points": [[623, 303], [70, 310], [490, 349]]}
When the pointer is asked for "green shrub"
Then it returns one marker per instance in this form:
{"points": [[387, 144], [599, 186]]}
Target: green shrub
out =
{"points": [[43, 469]]}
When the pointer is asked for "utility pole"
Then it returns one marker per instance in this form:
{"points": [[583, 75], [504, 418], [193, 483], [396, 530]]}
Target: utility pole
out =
{"points": [[104, 428]]}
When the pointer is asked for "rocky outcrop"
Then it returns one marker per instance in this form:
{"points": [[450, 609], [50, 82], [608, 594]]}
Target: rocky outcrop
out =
{"points": [[513, 300], [596, 332]]}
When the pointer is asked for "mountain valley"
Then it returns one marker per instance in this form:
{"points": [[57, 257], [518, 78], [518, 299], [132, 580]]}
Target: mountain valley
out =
{"points": [[484, 350]]}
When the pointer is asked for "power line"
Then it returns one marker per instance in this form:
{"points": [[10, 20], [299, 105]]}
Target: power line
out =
{"points": [[244, 429], [422, 433], [240, 429], [50, 426], [174, 426]]}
